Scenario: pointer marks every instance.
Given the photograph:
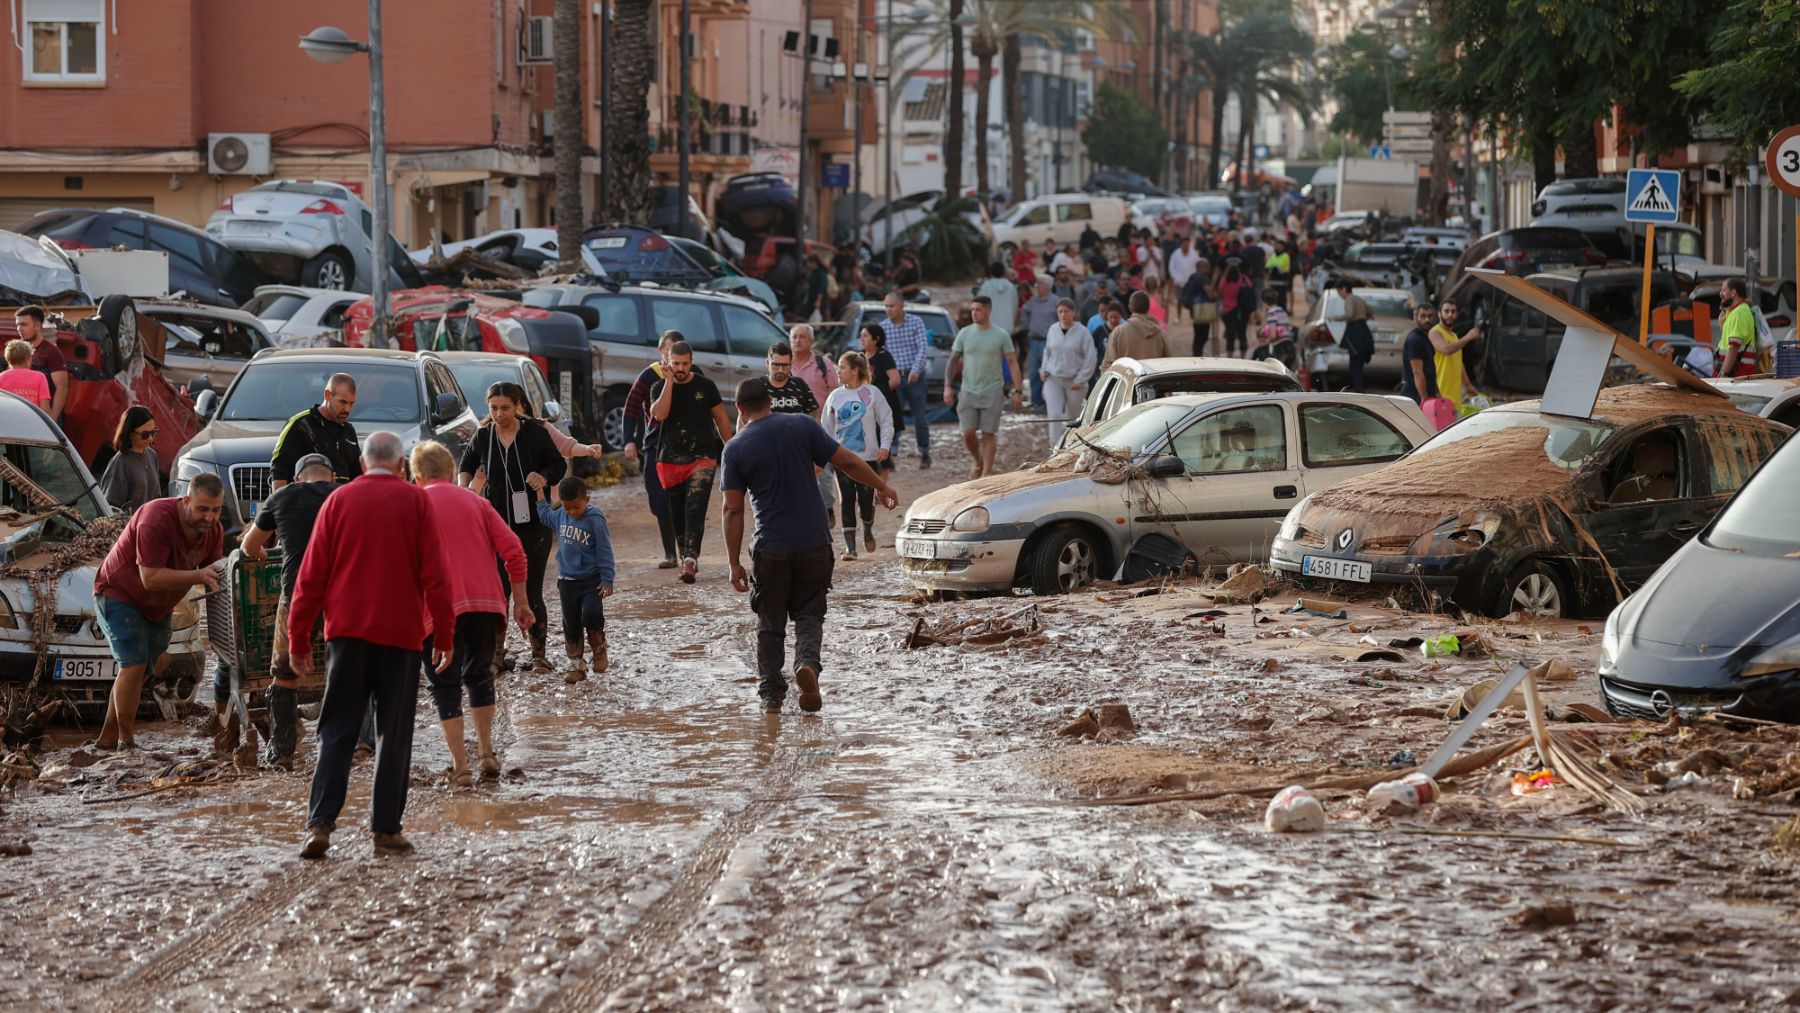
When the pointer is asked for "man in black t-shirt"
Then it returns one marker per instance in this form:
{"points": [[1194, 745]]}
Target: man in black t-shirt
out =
{"points": [[322, 429], [694, 427], [1418, 358], [788, 396], [287, 517]]}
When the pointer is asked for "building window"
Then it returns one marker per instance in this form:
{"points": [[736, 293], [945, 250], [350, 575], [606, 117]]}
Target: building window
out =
{"points": [[68, 43]]}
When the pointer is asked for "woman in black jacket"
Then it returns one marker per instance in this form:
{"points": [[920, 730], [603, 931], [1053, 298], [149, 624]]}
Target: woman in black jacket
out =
{"points": [[513, 463]]}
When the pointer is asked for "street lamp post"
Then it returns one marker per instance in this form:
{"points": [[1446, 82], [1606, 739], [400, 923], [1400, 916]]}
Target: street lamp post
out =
{"points": [[686, 140], [334, 45]]}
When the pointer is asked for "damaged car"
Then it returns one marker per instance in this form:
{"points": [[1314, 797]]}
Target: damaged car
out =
{"points": [[1208, 475], [1130, 381], [1519, 510], [1717, 628], [48, 504]]}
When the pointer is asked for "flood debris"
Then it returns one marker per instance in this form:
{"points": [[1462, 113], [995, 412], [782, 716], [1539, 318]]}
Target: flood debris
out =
{"points": [[1104, 721], [1245, 584], [981, 632], [1294, 810]]}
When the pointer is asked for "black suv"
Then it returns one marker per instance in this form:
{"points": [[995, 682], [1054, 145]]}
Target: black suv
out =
{"points": [[205, 269]]}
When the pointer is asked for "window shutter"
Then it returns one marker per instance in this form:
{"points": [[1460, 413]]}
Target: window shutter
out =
{"points": [[65, 10]]}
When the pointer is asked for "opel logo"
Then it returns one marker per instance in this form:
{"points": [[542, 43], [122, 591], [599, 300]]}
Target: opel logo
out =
{"points": [[1344, 538], [1661, 703]]}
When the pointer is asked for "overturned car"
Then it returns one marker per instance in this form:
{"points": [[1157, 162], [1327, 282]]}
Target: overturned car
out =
{"points": [[1516, 509]]}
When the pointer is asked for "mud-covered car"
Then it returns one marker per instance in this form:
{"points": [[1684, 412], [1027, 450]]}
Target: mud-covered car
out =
{"points": [[47, 502], [1718, 626], [1514, 509], [1213, 474]]}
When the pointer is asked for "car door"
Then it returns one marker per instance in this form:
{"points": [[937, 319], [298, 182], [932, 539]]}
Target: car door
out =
{"points": [[187, 265], [1240, 480], [1035, 226], [626, 344], [1342, 441], [749, 335], [1071, 218], [698, 322], [457, 428], [1650, 499]]}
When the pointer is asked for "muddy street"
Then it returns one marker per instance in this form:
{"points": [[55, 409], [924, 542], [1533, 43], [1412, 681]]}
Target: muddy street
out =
{"points": [[658, 843]]}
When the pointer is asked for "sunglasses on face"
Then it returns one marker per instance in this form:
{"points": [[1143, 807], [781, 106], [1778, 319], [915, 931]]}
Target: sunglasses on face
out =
{"points": [[148, 434]]}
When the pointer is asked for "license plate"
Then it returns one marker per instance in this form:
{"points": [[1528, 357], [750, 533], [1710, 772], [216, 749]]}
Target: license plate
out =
{"points": [[86, 669], [250, 508], [1336, 569], [239, 227], [915, 548], [607, 243]]}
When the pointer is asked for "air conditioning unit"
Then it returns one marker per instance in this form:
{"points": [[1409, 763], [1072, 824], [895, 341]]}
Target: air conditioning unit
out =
{"points": [[539, 44], [237, 154]]}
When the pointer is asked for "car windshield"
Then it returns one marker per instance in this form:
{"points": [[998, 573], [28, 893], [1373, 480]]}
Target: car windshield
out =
{"points": [[628, 255], [1752, 403], [57, 482], [277, 390], [276, 306], [476, 377], [1568, 443], [1761, 518], [1210, 205], [1138, 427]]}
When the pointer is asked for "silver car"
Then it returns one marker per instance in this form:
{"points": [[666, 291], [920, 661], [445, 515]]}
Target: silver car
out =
{"points": [[301, 317], [311, 233], [203, 341], [1214, 472]]}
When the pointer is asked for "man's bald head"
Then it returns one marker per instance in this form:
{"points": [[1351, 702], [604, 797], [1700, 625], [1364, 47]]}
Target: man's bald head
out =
{"points": [[384, 450]]}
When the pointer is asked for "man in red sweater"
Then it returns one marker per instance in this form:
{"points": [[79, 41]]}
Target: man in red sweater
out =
{"points": [[375, 566]]}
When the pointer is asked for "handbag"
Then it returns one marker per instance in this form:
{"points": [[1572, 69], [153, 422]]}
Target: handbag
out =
{"points": [[1206, 313]]}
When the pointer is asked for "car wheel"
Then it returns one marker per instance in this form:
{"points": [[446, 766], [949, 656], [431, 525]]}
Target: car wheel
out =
{"points": [[1007, 250], [1064, 561], [328, 270], [1535, 589], [119, 315], [612, 421]]}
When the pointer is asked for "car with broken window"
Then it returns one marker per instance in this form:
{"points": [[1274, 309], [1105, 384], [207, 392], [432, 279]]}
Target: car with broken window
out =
{"points": [[1717, 627], [1128, 381], [1327, 360], [1212, 473], [48, 504], [203, 346], [1518, 510]]}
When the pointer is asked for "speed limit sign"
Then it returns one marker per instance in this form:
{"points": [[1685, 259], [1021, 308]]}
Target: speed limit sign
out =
{"points": [[1783, 161]]}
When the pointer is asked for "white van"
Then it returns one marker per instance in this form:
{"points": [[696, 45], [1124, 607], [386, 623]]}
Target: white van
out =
{"points": [[1061, 217]]}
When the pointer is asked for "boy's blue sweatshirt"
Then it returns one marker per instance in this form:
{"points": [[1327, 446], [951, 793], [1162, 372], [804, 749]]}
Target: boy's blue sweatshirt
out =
{"points": [[583, 546]]}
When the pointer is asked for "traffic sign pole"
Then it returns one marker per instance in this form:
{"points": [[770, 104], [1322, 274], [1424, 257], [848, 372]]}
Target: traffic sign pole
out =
{"points": [[1782, 159], [1649, 260], [1651, 196]]}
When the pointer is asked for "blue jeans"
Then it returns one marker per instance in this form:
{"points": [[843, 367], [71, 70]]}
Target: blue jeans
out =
{"points": [[912, 399], [1034, 360]]}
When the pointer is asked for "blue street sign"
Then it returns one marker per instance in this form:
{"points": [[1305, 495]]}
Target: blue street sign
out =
{"points": [[1261, 151], [1653, 195], [837, 175], [1381, 151]]}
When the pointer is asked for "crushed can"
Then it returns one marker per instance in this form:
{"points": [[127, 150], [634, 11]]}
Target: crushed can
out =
{"points": [[1438, 646], [1409, 792], [1294, 810]]}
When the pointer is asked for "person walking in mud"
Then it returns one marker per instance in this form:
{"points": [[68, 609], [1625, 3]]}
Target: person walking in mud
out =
{"points": [[862, 422], [322, 429], [641, 433], [375, 568], [168, 547], [773, 460], [982, 351], [513, 462], [694, 427], [584, 574], [466, 521], [786, 394], [818, 373]]}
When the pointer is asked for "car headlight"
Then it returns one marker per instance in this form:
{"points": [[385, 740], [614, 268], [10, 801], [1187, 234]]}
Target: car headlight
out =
{"points": [[972, 519], [7, 620], [1609, 636], [184, 616], [1290, 525], [1783, 657], [512, 335]]}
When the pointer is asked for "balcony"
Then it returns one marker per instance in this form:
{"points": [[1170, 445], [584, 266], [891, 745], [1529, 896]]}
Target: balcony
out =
{"points": [[715, 10]]}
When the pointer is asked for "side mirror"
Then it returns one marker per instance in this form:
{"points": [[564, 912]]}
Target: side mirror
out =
{"points": [[1165, 466], [206, 403], [447, 407], [552, 411], [199, 385]]}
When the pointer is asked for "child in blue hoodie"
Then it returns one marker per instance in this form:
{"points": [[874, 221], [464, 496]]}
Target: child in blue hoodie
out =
{"points": [[584, 567]]}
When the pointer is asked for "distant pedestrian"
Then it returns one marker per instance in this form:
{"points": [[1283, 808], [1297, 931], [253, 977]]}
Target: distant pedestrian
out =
{"points": [[907, 342], [1418, 362], [694, 427], [513, 464], [473, 536], [885, 375], [584, 574], [1003, 298], [821, 375], [1739, 347], [134, 476], [1358, 340], [1069, 361], [21, 379], [1236, 303], [1038, 314], [168, 547], [640, 443], [46, 357], [1181, 268], [985, 354], [375, 567], [858, 416], [773, 461], [322, 429], [1139, 337]]}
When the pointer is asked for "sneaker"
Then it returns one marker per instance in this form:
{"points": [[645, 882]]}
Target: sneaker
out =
{"points": [[848, 556], [392, 843], [924, 462], [771, 705], [688, 568], [806, 676], [318, 841], [489, 765]]}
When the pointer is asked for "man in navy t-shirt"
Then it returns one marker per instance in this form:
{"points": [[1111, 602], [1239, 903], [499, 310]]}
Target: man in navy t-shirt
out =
{"points": [[773, 457], [1418, 358]]}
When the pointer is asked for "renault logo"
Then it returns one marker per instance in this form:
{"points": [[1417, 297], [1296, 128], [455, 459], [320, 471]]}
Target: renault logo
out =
{"points": [[1344, 538]]}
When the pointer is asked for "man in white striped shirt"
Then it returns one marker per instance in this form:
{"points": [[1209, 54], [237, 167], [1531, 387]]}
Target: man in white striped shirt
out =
{"points": [[906, 338]]}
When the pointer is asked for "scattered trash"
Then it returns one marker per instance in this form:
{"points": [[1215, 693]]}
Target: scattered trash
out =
{"points": [[1406, 643], [1404, 758], [1085, 726], [16, 848], [1406, 794], [1687, 779], [1269, 665], [1381, 654], [1116, 716], [1465, 702], [1207, 614], [1312, 607], [1111, 719], [976, 631], [1546, 916], [1155, 555], [1439, 646], [1245, 585], [1530, 782], [1294, 810]]}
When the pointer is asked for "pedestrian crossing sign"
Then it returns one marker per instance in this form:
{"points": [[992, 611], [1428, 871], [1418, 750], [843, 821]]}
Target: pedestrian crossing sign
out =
{"points": [[1653, 195]]}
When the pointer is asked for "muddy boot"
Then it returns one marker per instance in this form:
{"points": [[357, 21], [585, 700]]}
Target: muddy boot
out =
{"points": [[575, 673], [318, 841], [597, 645], [807, 678], [489, 765], [539, 661], [869, 538], [849, 543], [395, 843]]}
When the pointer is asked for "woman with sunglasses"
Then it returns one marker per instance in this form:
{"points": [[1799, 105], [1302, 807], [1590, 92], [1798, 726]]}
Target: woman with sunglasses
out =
{"points": [[134, 477]]}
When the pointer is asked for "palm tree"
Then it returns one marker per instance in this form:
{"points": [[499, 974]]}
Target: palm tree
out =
{"points": [[568, 122], [1258, 41], [1270, 81], [633, 55]]}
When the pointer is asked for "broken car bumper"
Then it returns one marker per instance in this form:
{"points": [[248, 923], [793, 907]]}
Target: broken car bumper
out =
{"points": [[954, 564]]}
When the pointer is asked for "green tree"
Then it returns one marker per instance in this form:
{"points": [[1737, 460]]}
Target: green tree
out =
{"points": [[1750, 87], [1125, 132], [1360, 74], [1257, 41]]}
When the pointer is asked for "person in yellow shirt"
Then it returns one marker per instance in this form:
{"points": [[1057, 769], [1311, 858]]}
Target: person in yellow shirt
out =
{"points": [[1451, 380]]}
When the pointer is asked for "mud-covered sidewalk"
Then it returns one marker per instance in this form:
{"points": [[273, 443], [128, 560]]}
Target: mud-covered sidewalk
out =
{"points": [[923, 843]]}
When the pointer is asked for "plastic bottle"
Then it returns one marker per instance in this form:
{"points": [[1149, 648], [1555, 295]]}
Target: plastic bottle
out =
{"points": [[1410, 792], [1294, 810], [1434, 647]]}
